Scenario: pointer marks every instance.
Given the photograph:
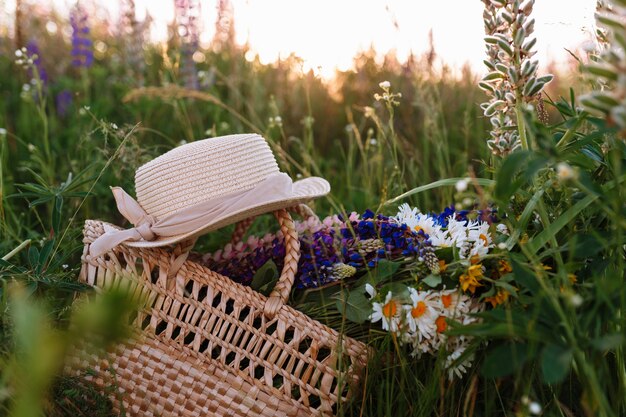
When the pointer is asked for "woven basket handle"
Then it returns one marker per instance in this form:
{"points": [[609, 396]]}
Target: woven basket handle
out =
{"points": [[280, 294], [242, 227]]}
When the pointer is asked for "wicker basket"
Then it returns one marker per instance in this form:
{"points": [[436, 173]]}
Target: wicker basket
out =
{"points": [[209, 346]]}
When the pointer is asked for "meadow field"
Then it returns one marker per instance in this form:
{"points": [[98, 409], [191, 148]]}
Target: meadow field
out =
{"points": [[501, 193]]}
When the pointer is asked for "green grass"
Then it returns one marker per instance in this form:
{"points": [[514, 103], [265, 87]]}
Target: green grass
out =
{"points": [[563, 352]]}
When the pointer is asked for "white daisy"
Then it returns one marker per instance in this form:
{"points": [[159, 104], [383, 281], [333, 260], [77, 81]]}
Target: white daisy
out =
{"points": [[427, 224], [458, 235], [421, 347], [452, 303], [452, 364], [421, 314], [389, 312], [481, 240], [406, 215], [501, 228]]}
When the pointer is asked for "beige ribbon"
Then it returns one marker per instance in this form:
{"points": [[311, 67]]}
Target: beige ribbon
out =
{"points": [[276, 187]]}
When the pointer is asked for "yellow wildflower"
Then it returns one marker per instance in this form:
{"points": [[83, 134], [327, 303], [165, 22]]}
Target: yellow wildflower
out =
{"points": [[471, 279], [504, 267], [501, 297]]}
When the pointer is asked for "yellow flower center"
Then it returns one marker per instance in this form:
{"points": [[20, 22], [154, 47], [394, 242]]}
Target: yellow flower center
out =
{"points": [[418, 228], [390, 309], [418, 310], [441, 324], [446, 299], [484, 239]]}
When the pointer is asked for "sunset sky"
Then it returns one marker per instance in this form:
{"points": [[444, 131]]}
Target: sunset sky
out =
{"points": [[327, 34]]}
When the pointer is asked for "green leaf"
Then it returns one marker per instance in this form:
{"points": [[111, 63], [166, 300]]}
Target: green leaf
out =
{"points": [[44, 255], [555, 363], [523, 275], [495, 75], [608, 342], [56, 214], [538, 241], [505, 185], [526, 214], [504, 360], [511, 289], [432, 280], [33, 256], [265, 278], [441, 183], [383, 270], [354, 304]]}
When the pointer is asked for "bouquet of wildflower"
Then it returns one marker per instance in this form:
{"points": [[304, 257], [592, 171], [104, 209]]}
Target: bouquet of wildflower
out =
{"points": [[421, 272]]}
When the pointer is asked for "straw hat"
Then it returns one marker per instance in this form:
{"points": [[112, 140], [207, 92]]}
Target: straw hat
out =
{"points": [[203, 186]]}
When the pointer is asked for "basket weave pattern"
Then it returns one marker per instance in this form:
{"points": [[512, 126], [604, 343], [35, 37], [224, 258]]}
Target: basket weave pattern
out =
{"points": [[210, 345]]}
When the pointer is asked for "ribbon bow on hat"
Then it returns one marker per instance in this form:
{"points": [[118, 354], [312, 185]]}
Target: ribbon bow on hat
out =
{"points": [[191, 220]]}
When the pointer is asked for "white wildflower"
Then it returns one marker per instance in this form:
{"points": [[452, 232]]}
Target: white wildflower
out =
{"points": [[452, 364], [461, 185], [389, 312], [480, 239], [534, 408], [421, 314], [406, 214], [385, 85], [565, 172], [452, 303]]}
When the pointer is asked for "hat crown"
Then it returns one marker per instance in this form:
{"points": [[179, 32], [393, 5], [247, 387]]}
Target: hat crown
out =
{"points": [[203, 170]]}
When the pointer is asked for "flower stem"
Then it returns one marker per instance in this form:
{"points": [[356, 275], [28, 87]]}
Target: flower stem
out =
{"points": [[521, 123], [570, 132]]}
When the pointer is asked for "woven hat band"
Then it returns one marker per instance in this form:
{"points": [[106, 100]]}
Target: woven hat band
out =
{"points": [[275, 187]]}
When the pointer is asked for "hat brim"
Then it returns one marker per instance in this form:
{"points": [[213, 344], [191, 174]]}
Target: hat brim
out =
{"points": [[302, 191]]}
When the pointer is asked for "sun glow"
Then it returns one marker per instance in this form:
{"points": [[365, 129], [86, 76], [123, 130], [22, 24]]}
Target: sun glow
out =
{"points": [[327, 34]]}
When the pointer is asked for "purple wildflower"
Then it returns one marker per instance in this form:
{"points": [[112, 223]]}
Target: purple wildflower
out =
{"points": [[32, 51], [132, 35], [487, 215], [187, 17], [82, 46], [63, 102], [360, 243]]}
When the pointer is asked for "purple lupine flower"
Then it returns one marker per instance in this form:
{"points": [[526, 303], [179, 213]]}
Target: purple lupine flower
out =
{"points": [[133, 34], [63, 102], [82, 46], [187, 17], [326, 253], [32, 51]]}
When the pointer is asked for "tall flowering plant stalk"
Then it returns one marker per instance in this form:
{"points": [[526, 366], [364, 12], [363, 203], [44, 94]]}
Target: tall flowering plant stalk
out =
{"points": [[413, 275], [82, 45], [187, 21], [31, 59], [512, 80], [608, 70]]}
